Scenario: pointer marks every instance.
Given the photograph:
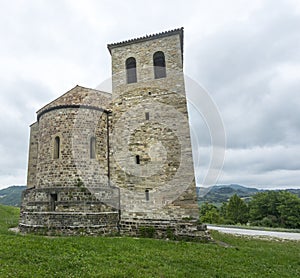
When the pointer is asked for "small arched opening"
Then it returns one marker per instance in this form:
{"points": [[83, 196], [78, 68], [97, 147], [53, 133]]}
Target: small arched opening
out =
{"points": [[56, 153], [159, 64], [93, 147], [131, 70]]}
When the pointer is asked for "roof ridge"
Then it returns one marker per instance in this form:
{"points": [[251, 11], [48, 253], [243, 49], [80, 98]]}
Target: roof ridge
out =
{"points": [[147, 37]]}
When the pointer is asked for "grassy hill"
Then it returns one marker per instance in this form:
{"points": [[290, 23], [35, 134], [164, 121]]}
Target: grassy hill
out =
{"points": [[11, 196], [9, 217], [38, 256]]}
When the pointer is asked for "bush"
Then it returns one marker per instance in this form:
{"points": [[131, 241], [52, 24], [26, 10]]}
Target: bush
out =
{"points": [[147, 231]]}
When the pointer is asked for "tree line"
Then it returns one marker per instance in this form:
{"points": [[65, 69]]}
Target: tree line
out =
{"points": [[268, 209]]}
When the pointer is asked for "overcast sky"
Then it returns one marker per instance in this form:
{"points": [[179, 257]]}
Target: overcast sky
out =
{"points": [[246, 54]]}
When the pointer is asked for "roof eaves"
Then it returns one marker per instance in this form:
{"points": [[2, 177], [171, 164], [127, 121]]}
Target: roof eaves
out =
{"points": [[149, 37]]}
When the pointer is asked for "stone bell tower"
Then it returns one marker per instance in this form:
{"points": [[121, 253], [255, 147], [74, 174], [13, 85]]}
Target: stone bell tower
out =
{"points": [[150, 152]]}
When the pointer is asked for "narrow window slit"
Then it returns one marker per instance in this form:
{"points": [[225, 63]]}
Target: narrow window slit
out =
{"points": [[56, 147], [147, 194], [137, 159], [147, 116], [93, 147]]}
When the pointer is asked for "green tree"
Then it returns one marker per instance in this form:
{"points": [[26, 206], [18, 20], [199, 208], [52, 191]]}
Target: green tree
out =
{"points": [[224, 214], [289, 209], [223, 209], [209, 214], [237, 210], [263, 209], [275, 209]]}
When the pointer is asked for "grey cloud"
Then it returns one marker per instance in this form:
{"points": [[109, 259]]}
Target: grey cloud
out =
{"points": [[49, 48], [244, 67], [262, 159], [240, 69], [243, 48], [19, 100]]}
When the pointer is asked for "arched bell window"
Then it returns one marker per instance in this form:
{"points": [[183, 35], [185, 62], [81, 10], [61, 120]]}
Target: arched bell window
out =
{"points": [[131, 70], [159, 64]]}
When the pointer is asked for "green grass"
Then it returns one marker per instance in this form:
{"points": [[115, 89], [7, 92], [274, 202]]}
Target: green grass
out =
{"points": [[9, 217], [38, 256]]}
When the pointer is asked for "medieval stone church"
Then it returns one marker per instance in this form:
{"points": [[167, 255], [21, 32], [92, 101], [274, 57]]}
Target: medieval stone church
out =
{"points": [[117, 163]]}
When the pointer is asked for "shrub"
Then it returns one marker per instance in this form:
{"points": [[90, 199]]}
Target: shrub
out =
{"points": [[147, 231]]}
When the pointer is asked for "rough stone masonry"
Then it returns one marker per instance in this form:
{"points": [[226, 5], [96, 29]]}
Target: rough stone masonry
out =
{"points": [[117, 163]]}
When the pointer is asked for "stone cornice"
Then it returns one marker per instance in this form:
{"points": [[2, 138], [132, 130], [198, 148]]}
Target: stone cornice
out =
{"points": [[78, 106], [178, 31]]}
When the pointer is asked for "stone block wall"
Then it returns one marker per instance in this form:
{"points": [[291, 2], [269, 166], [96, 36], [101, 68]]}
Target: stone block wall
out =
{"points": [[150, 146], [75, 118], [74, 199], [70, 223], [142, 51], [74, 127], [33, 155], [162, 228], [74, 210]]}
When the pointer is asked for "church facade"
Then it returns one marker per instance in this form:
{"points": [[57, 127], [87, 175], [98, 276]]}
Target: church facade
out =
{"points": [[117, 163]]}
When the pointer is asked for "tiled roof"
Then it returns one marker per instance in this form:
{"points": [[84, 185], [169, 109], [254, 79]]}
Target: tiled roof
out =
{"points": [[81, 97], [149, 37]]}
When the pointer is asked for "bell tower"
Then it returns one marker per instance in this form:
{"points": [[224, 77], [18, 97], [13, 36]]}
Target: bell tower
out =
{"points": [[150, 147], [151, 60]]}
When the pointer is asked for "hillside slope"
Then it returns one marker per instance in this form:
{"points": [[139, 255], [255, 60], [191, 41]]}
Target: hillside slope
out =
{"points": [[11, 196], [9, 217], [222, 193]]}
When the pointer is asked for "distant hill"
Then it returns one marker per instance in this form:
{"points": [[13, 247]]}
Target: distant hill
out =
{"points": [[11, 196], [222, 193], [294, 191], [218, 194]]}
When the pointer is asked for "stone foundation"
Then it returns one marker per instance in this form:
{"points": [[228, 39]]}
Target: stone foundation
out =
{"points": [[168, 229], [70, 223], [95, 211], [109, 224], [70, 211]]}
